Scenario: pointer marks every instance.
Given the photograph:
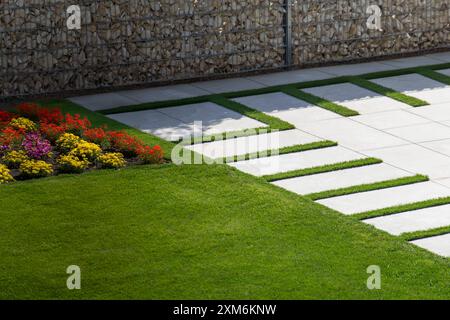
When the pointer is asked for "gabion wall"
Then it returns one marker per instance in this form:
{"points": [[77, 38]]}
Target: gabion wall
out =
{"points": [[128, 42]]}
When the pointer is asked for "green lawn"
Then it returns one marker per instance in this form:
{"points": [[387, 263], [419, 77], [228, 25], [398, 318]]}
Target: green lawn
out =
{"points": [[196, 232]]}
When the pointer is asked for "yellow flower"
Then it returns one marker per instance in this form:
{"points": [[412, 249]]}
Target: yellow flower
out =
{"points": [[112, 160], [35, 169], [24, 124], [86, 150], [72, 164], [5, 175], [68, 141], [13, 159]]}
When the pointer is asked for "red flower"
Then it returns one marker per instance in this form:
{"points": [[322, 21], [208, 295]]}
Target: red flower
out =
{"points": [[50, 115], [123, 142], [5, 117], [150, 155], [29, 110], [52, 131], [76, 124], [96, 135], [11, 137]]}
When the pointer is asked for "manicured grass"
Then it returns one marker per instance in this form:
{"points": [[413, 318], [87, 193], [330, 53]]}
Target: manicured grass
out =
{"points": [[411, 236], [196, 232], [272, 122], [368, 187], [361, 82], [285, 150], [323, 169], [435, 76], [402, 208], [323, 103]]}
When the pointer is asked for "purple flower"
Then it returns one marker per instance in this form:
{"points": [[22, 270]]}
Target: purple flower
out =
{"points": [[36, 146], [3, 149]]}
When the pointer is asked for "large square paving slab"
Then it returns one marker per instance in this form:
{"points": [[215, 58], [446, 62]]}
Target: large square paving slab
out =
{"points": [[439, 245], [356, 98], [228, 85], [411, 62], [444, 71], [390, 119], [412, 221], [422, 132], [352, 134], [287, 77], [441, 146], [417, 86], [415, 158], [174, 92], [287, 108], [385, 198], [104, 101], [257, 143], [190, 120], [296, 161], [435, 112], [342, 179]]}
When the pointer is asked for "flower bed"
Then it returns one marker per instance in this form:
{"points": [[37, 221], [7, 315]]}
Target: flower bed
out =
{"points": [[38, 142]]}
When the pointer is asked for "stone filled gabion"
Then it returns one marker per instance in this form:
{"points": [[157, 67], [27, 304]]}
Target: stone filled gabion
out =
{"points": [[126, 42]]}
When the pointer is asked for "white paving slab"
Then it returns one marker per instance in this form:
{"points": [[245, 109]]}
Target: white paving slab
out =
{"points": [[441, 56], [411, 62], [352, 134], [104, 101], [390, 119], [287, 108], [422, 132], [228, 85], [296, 161], [412, 221], [439, 245], [444, 71], [385, 198], [178, 122], [417, 86], [156, 123], [252, 144], [356, 69], [441, 146], [436, 112], [179, 91], [415, 158], [342, 179], [287, 77], [356, 98]]}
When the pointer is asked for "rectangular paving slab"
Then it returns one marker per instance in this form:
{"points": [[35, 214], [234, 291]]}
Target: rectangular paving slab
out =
{"points": [[190, 120], [104, 101], [352, 134], [422, 132], [385, 198], [415, 158], [412, 221], [287, 108], [296, 161], [437, 112], [417, 86], [356, 98], [439, 245], [252, 144], [390, 119], [342, 179]]}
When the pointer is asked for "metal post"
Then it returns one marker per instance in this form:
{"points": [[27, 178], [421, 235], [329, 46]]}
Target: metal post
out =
{"points": [[288, 32]]}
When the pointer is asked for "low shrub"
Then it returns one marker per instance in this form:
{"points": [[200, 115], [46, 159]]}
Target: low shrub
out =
{"points": [[5, 175], [12, 138], [36, 146], [72, 164], [13, 159], [35, 169], [112, 160], [23, 124], [86, 150], [67, 142]]}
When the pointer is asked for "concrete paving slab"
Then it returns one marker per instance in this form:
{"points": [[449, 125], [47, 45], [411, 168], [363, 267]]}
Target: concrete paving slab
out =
{"points": [[417, 86], [104, 101], [390, 119], [436, 112], [252, 144], [414, 158], [441, 56], [356, 98], [385, 198], [422, 132], [412, 62], [287, 77], [439, 245], [228, 85], [355, 69], [296, 161], [441, 146], [444, 71], [412, 221], [173, 92], [352, 134], [342, 179]]}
